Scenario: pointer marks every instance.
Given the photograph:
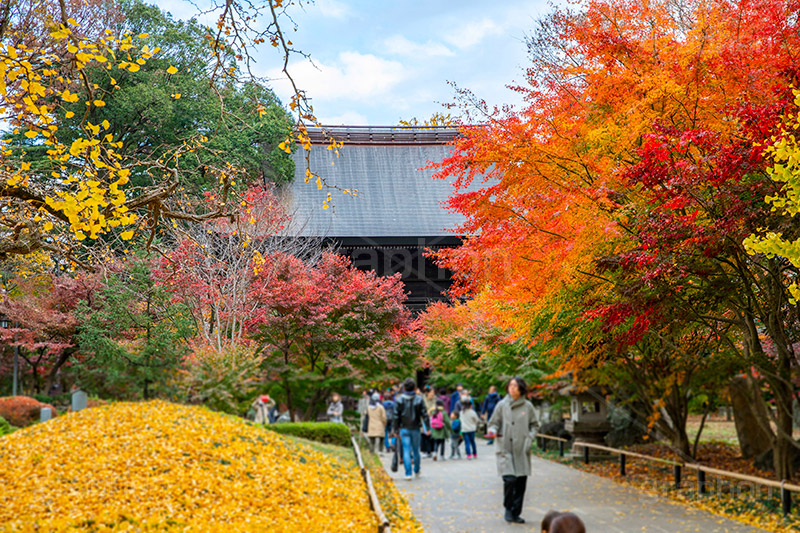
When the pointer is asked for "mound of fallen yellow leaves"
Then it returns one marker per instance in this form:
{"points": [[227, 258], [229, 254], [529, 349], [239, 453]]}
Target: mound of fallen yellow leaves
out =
{"points": [[161, 466]]}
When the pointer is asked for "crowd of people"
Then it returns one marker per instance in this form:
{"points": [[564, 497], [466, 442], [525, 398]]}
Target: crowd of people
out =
{"points": [[442, 417], [415, 423]]}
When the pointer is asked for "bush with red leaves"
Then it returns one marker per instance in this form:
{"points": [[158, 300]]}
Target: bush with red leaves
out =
{"points": [[21, 411]]}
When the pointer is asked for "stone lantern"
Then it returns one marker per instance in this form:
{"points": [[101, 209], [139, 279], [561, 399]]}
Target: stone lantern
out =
{"points": [[588, 416]]}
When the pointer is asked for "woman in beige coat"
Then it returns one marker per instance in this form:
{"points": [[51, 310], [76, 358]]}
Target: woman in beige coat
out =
{"points": [[514, 424], [376, 426]]}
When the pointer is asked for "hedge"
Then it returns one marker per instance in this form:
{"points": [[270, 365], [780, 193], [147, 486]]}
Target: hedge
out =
{"points": [[325, 432]]}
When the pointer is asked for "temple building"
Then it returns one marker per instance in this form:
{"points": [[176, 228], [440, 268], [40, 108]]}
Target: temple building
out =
{"points": [[398, 212]]}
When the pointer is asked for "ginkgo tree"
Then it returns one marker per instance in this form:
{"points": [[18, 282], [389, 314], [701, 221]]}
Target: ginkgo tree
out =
{"points": [[63, 61], [783, 151], [169, 101]]}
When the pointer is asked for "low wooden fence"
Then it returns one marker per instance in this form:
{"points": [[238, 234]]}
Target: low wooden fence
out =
{"points": [[383, 522], [678, 468]]}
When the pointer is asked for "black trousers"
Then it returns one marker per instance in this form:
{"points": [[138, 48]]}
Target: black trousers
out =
{"points": [[438, 446], [514, 493], [426, 444]]}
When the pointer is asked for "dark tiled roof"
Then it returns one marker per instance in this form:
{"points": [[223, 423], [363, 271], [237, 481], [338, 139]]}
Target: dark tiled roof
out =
{"points": [[395, 198]]}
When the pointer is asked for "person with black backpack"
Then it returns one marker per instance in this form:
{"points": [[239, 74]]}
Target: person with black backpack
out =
{"points": [[411, 420]]}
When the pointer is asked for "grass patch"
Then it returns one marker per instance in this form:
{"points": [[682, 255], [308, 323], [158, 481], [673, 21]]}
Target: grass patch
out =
{"points": [[326, 432], [344, 455]]}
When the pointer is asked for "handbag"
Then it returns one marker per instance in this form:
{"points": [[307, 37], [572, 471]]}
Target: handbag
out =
{"points": [[395, 459], [365, 423]]}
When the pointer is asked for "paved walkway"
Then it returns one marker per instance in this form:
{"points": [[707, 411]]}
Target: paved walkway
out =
{"points": [[466, 496]]}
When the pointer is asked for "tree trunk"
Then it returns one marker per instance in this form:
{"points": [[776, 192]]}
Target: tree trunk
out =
{"points": [[784, 450], [51, 376], [312, 411], [681, 442], [784, 443], [706, 410], [750, 417]]}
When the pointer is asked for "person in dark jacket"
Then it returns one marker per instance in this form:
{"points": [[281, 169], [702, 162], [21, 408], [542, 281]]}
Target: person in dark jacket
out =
{"points": [[411, 419], [455, 398], [488, 405], [388, 405]]}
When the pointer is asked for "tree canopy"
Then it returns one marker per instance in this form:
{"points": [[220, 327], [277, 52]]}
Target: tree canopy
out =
{"points": [[118, 113], [616, 204]]}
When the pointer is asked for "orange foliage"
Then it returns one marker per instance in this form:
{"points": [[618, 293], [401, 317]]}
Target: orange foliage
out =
{"points": [[554, 195], [21, 411]]}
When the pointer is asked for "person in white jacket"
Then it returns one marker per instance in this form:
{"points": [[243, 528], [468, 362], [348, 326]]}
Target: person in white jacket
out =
{"points": [[514, 425], [469, 425]]}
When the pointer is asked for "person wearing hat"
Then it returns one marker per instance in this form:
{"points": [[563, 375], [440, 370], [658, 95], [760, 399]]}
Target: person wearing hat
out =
{"points": [[376, 425], [264, 407]]}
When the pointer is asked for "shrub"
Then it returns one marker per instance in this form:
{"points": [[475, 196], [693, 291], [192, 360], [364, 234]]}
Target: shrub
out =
{"points": [[5, 427], [325, 432], [223, 382], [21, 411], [64, 399]]}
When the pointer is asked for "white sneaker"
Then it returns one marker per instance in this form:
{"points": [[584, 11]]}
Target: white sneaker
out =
{"points": [[418, 474], [409, 478]]}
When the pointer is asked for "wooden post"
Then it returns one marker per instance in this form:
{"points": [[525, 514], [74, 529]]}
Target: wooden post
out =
{"points": [[544, 444], [786, 499], [622, 464], [561, 448], [676, 473], [701, 481], [586, 454]]}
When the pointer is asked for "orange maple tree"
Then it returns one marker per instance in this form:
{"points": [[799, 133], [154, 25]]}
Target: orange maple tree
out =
{"points": [[635, 147]]}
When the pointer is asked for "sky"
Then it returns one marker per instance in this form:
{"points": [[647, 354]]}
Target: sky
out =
{"points": [[376, 62]]}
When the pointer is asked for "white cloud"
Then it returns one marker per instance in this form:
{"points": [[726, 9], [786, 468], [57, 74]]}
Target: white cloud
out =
{"points": [[331, 9], [472, 33], [399, 45], [352, 76]]}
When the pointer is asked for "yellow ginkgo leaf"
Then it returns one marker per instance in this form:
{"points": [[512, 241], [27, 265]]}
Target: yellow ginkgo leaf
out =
{"points": [[126, 235], [172, 70]]}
